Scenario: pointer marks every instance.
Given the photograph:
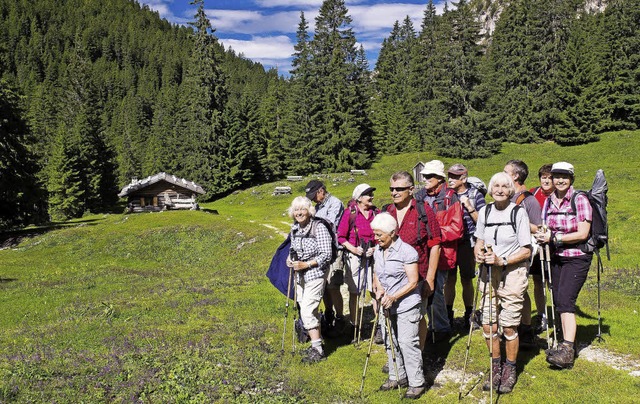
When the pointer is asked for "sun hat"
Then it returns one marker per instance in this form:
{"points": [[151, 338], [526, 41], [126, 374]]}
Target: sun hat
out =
{"points": [[562, 168], [362, 189], [435, 167]]}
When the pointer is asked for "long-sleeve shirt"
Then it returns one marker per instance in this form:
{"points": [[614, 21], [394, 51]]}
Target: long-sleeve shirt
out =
{"points": [[361, 224]]}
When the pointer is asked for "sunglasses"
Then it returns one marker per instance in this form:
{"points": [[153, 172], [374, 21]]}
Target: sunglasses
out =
{"points": [[398, 189], [429, 176]]}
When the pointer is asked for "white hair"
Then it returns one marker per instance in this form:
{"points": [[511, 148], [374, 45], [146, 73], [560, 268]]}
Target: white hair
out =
{"points": [[504, 179], [301, 202], [384, 222]]}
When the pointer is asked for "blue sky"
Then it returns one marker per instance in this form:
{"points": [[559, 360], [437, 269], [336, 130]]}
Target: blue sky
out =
{"points": [[264, 30]]}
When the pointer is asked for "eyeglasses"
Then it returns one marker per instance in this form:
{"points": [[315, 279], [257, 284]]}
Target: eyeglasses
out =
{"points": [[398, 189], [429, 176]]}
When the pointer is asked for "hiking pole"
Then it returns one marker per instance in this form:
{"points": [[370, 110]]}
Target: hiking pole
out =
{"points": [[286, 310], [547, 262], [365, 284], [366, 363], [387, 316], [473, 311], [295, 315], [355, 323], [600, 268], [544, 292], [489, 268]]}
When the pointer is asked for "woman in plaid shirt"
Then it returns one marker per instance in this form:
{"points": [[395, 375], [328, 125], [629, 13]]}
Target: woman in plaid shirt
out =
{"points": [[310, 258], [569, 264]]}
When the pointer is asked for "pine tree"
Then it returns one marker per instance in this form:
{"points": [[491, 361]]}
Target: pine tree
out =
{"points": [[337, 129], [203, 96], [19, 192]]}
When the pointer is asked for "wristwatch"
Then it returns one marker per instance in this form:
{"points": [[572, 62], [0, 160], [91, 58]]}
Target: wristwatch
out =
{"points": [[504, 262]]}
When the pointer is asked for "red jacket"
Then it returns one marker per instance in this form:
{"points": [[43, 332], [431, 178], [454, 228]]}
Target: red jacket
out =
{"points": [[449, 214]]}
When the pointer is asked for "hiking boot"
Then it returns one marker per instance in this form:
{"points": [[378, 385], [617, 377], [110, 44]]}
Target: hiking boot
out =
{"points": [[508, 379], [496, 369], [377, 338], [313, 356], [394, 384], [563, 357], [385, 368], [414, 392]]}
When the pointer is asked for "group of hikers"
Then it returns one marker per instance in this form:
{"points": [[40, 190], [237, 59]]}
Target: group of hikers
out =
{"points": [[407, 255]]}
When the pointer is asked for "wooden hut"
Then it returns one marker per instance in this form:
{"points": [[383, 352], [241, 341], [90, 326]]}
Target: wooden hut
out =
{"points": [[416, 172], [161, 192]]}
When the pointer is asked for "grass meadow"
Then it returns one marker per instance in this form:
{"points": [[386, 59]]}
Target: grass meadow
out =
{"points": [[174, 307]]}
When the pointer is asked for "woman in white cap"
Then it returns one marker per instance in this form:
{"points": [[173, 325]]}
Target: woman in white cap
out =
{"points": [[568, 215], [396, 280], [356, 236]]}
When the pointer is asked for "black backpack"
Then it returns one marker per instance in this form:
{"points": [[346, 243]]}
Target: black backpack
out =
{"points": [[334, 245], [599, 232], [511, 223]]}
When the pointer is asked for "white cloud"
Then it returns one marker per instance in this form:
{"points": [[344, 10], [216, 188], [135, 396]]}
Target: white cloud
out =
{"points": [[382, 16], [255, 22], [262, 47]]}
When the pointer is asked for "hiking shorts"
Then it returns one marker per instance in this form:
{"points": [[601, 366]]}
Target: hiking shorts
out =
{"points": [[508, 293], [465, 260], [309, 295], [568, 276], [355, 275], [335, 274]]}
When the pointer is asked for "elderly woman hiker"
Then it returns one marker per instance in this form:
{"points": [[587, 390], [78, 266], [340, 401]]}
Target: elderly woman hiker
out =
{"points": [[356, 236], [504, 247], [569, 219], [395, 282], [310, 258]]}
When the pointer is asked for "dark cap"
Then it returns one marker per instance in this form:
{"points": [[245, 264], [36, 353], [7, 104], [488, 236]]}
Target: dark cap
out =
{"points": [[457, 169], [312, 188]]}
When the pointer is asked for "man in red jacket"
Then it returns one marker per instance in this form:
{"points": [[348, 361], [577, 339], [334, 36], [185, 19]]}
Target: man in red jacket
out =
{"points": [[445, 203]]}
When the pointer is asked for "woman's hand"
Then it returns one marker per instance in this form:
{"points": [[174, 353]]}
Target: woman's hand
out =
{"points": [[370, 251], [357, 250], [300, 265], [387, 301], [543, 237]]}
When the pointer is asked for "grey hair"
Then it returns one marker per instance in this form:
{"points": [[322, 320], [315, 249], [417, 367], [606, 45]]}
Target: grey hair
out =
{"points": [[502, 178], [403, 175], [385, 223], [520, 168], [301, 202]]}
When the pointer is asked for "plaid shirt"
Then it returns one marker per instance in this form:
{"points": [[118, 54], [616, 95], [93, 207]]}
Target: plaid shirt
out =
{"points": [[408, 232], [308, 247], [564, 224]]}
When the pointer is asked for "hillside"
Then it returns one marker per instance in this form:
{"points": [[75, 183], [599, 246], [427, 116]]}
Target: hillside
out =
{"points": [[174, 306]]}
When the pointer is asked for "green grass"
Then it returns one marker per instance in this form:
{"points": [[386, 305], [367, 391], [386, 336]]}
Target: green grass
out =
{"points": [[174, 306]]}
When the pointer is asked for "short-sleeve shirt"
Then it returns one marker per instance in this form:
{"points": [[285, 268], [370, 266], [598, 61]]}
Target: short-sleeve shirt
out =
{"points": [[563, 223], [477, 200], [502, 238], [308, 247], [408, 232], [392, 275], [531, 205]]}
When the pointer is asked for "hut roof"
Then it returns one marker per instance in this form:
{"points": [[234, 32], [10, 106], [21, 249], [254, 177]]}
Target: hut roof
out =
{"points": [[136, 185]]}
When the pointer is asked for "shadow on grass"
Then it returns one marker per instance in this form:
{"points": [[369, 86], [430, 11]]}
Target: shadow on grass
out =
{"points": [[9, 239]]}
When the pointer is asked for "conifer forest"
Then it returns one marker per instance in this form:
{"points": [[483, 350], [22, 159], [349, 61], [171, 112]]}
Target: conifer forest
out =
{"points": [[96, 92]]}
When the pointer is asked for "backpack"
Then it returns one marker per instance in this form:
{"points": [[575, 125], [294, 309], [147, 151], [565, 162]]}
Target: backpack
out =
{"points": [[599, 232], [512, 222], [422, 217], [334, 245], [476, 185], [352, 208], [522, 197], [279, 274]]}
